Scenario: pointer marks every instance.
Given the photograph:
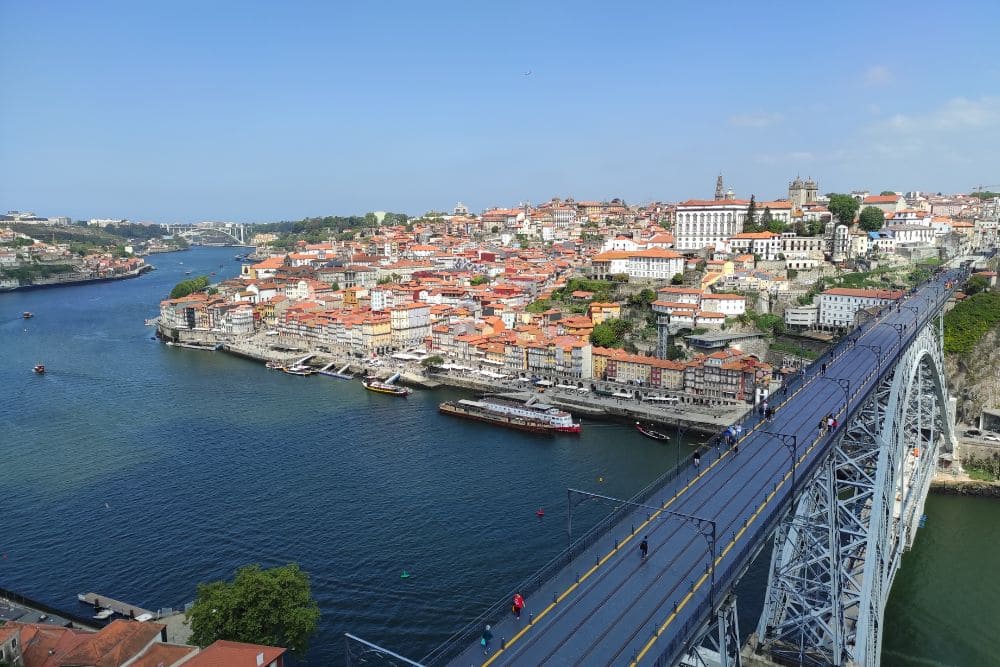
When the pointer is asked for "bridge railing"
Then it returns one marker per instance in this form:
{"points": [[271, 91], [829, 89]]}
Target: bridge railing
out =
{"points": [[469, 635], [692, 631]]}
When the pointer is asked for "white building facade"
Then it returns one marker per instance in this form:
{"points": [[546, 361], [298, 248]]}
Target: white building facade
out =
{"points": [[708, 223], [838, 307]]}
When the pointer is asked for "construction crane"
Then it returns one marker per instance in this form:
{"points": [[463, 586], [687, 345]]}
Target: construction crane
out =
{"points": [[980, 188]]}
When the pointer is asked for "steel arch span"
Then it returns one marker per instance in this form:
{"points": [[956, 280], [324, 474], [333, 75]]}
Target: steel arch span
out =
{"points": [[837, 551]]}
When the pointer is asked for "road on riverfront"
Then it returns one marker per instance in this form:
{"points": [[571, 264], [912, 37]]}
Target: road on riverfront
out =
{"points": [[608, 607]]}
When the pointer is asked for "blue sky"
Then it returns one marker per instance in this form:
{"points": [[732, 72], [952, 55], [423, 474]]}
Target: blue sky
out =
{"points": [[258, 111]]}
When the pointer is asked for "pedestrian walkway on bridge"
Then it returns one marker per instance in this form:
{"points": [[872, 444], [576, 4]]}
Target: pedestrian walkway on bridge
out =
{"points": [[600, 603]]}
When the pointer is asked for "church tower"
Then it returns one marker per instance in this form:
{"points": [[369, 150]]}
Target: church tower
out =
{"points": [[720, 189], [797, 192], [812, 190]]}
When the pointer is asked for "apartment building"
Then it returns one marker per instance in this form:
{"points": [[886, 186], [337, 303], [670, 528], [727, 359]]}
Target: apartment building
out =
{"points": [[839, 306]]}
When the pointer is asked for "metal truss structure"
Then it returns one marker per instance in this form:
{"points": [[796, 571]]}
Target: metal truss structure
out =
{"points": [[719, 642], [837, 550]]}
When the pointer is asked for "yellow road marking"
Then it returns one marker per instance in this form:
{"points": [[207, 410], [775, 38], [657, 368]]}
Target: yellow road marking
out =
{"points": [[611, 553], [655, 515], [721, 556]]}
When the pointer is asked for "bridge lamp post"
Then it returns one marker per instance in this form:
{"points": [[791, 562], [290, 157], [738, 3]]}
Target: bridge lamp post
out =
{"points": [[707, 528], [898, 328], [681, 431], [845, 384], [790, 441], [877, 349]]}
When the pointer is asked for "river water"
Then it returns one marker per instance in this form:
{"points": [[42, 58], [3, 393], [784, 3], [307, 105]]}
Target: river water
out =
{"points": [[137, 470]]}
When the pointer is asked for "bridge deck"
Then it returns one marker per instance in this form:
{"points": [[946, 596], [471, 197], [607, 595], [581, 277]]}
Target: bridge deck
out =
{"points": [[623, 610]]}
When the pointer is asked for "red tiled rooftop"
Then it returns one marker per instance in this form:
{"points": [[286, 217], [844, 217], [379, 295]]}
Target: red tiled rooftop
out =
{"points": [[159, 655], [235, 654]]}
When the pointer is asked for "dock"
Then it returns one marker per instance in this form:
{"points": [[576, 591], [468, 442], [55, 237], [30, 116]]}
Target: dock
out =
{"points": [[342, 373], [122, 608]]}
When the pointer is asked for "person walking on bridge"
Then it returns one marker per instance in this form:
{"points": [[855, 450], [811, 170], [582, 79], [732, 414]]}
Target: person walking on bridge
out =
{"points": [[517, 605], [643, 548], [486, 639]]}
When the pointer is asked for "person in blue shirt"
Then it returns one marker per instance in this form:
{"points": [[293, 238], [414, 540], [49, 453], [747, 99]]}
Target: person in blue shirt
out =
{"points": [[486, 639]]}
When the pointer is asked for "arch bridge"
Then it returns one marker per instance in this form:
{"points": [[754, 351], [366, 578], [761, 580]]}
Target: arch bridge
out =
{"points": [[839, 504], [237, 233]]}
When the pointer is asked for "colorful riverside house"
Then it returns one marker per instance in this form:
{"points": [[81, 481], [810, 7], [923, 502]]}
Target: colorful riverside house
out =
{"points": [[603, 311]]}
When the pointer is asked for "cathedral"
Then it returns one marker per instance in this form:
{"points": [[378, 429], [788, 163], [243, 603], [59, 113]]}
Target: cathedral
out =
{"points": [[801, 193]]}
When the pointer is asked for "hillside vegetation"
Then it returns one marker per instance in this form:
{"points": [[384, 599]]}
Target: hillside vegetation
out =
{"points": [[968, 322]]}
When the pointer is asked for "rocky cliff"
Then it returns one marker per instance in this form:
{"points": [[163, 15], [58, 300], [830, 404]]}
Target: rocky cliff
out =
{"points": [[974, 377]]}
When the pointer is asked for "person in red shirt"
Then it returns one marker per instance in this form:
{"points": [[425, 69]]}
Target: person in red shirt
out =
{"points": [[518, 605]]}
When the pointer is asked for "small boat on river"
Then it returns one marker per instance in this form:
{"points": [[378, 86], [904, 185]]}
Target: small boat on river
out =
{"points": [[300, 369], [27, 315], [39, 368], [386, 387], [650, 433]]}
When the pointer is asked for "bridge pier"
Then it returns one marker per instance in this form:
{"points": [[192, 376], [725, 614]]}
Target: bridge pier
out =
{"points": [[753, 655]]}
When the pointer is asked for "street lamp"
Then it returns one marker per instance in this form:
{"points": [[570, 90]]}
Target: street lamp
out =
{"points": [[898, 328], [877, 349], [784, 438], [845, 384], [681, 430], [706, 527]]}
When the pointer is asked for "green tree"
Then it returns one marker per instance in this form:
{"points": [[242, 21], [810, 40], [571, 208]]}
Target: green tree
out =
{"points": [[604, 336], [272, 607], [886, 193], [186, 287], [678, 279], [675, 353], [871, 219], [643, 298], [610, 333], [975, 285], [766, 218], [435, 360], [479, 280], [751, 222], [843, 207], [538, 306]]}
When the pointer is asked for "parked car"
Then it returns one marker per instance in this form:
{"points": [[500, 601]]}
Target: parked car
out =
{"points": [[974, 432], [992, 438]]}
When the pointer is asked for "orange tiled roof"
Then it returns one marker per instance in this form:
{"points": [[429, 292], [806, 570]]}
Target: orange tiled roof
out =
{"points": [[163, 654], [222, 653], [112, 645]]}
